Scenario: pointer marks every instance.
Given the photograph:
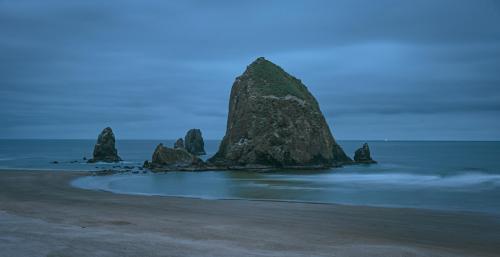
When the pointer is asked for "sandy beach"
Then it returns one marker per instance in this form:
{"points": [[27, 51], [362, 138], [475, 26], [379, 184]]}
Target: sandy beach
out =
{"points": [[41, 214]]}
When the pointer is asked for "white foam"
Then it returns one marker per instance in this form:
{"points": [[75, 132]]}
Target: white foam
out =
{"points": [[400, 179]]}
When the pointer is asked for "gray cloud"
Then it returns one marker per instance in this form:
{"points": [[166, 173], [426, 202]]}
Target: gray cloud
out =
{"points": [[153, 69]]}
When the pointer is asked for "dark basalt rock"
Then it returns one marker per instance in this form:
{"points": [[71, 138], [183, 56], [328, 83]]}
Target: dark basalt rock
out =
{"points": [[193, 142], [362, 155], [274, 121], [165, 158], [179, 143], [104, 149]]}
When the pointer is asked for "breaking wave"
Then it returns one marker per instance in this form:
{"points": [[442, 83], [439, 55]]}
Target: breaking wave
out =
{"points": [[401, 179]]}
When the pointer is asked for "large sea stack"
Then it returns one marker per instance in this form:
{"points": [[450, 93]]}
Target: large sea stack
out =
{"points": [[275, 122], [104, 150]]}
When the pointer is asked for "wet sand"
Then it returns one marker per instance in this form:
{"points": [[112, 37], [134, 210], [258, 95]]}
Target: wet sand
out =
{"points": [[42, 215]]}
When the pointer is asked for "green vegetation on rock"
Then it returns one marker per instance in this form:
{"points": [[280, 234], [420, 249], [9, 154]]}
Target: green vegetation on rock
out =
{"points": [[270, 79]]}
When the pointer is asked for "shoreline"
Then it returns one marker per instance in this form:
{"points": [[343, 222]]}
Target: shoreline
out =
{"points": [[40, 205], [128, 173], [463, 211]]}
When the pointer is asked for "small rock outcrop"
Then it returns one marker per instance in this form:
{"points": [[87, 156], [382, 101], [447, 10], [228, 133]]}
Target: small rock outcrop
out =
{"points": [[193, 142], [165, 158], [362, 155], [179, 143], [104, 150], [274, 121]]}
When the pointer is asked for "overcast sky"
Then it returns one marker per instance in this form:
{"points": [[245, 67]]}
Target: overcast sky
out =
{"points": [[154, 69]]}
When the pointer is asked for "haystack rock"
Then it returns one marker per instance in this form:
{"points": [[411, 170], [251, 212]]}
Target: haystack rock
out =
{"points": [[105, 150], [274, 121], [362, 155], [193, 142], [166, 157], [179, 143]]}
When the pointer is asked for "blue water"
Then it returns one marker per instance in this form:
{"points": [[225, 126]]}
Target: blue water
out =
{"points": [[39, 154], [436, 175]]}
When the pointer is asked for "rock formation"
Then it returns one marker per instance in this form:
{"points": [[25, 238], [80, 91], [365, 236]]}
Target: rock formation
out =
{"points": [[179, 143], [193, 142], [274, 121], [362, 155], [165, 158], [104, 149]]}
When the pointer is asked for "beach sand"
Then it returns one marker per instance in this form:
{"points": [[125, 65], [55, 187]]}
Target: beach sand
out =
{"points": [[42, 215]]}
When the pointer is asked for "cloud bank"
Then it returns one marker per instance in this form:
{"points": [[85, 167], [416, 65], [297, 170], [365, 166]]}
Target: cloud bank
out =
{"points": [[154, 69]]}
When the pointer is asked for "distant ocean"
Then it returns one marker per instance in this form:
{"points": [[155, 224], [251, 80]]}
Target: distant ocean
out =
{"points": [[418, 174]]}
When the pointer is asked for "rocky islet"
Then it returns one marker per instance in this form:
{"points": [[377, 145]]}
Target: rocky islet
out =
{"points": [[273, 122], [104, 149]]}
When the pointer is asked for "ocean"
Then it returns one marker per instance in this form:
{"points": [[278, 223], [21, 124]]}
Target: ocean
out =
{"points": [[445, 175]]}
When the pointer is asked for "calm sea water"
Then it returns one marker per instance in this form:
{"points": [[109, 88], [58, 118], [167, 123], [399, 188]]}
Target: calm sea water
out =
{"points": [[436, 175]]}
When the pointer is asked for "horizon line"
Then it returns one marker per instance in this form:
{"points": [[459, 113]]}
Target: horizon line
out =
{"points": [[212, 139]]}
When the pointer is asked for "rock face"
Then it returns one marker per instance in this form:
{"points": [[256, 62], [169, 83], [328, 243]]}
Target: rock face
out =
{"points": [[274, 121], [362, 155], [179, 143], [171, 158], [104, 149], [193, 142]]}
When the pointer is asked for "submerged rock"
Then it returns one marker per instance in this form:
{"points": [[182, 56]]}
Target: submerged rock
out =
{"points": [[274, 121], [179, 143], [166, 158], [362, 155], [104, 149], [193, 142]]}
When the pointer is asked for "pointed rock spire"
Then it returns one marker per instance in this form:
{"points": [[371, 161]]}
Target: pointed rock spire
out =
{"points": [[104, 149], [362, 155]]}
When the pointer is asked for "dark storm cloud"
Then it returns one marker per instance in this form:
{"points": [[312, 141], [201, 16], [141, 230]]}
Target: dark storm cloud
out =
{"points": [[153, 69]]}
